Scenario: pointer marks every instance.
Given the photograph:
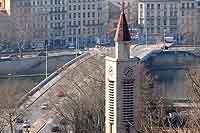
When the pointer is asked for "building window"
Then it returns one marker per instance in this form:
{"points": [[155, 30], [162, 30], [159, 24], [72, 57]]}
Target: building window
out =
{"points": [[158, 21], [74, 15], [93, 14], [188, 5], [63, 16], [152, 6], [148, 6], [141, 6], [158, 29], [183, 5], [93, 6], [165, 21], [183, 13], [165, 13], [192, 5], [158, 6], [148, 14], [165, 6], [171, 13]]}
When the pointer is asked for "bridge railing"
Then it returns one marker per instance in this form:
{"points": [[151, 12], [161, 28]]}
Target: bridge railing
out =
{"points": [[45, 81]]}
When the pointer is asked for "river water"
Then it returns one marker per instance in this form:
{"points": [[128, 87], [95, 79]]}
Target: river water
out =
{"points": [[24, 82]]}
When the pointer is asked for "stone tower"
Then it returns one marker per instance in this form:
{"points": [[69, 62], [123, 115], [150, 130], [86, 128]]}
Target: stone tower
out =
{"points": [[120, 91]]}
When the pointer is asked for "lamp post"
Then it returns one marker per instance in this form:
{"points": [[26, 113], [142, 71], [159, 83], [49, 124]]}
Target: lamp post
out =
{"points": [[146, 39], [164, 37], [46, 56]]}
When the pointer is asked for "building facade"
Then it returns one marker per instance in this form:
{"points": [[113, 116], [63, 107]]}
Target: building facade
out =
{"points": [[61, 22], [7, 26], [21, 13], [174, 18]]}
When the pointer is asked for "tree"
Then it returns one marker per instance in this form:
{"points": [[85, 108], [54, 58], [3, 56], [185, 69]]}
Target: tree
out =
{"points": [[11, 91], [8, 105], [82, 108]]}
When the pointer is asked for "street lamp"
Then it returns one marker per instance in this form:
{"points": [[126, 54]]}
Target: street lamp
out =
{"points": [[164, 36], [46, 56], [146, 23]]}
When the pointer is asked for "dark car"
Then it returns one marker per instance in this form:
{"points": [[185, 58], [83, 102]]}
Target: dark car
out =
{"points": [[55, 129], [165, 47], [42, 54], [19, 120]]}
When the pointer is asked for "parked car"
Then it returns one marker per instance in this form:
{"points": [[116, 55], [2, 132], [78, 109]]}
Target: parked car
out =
{"points": [[19, 120], [44, 106], [169, 39], [60, 93], [55, 129], [26, 124], [42, 54], [165, 47]]}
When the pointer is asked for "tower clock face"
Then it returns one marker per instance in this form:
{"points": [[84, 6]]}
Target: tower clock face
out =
{"points": [[128, 72], [110, 70]]}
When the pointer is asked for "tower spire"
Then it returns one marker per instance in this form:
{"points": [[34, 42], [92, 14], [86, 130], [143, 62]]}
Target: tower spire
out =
{"points": [[122, 10], [122, 33]]}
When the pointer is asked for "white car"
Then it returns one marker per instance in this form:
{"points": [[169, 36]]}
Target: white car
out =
{"points": [[44, 106], [26, 124]]}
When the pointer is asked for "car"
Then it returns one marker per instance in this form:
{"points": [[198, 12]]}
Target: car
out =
{"points": [[55, 129], [19, 120], [44, 106], [165, 47], [42, 54], [26, 124], [60, 93]]}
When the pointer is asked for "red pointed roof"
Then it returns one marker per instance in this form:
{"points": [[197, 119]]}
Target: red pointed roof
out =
{"points": [[122, 33]]}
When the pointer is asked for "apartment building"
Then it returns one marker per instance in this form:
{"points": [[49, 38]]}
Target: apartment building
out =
{"points": [[39, 15], [85, 21], [61, 22], [22, 17], [7, 27], [170, 17]]}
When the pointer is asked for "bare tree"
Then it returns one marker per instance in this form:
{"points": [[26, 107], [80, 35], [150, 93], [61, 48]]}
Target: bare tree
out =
{"points": [[82, 108], [8, 106], [11, 91]]}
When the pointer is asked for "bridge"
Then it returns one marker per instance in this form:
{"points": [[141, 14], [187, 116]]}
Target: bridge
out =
{"points": [[87, 70]]}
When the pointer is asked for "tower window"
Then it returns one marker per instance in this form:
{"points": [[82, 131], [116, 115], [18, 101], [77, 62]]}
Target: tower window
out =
{"points": [[111, 100], [128, 100]]}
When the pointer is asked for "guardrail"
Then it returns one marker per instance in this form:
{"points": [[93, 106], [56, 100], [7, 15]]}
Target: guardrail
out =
{"points": [[44, 82]]}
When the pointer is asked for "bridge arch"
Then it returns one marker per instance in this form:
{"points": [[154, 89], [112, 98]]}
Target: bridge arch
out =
{"points": [[169, 68]]}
